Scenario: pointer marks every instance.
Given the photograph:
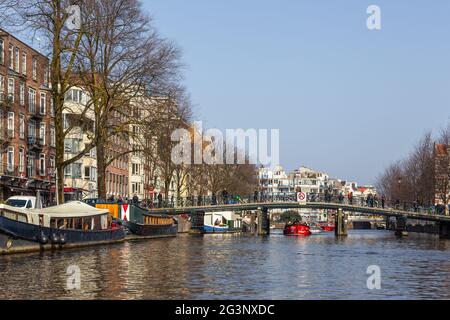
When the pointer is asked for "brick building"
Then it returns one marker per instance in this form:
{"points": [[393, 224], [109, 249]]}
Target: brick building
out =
{"points": [[27, 134]]}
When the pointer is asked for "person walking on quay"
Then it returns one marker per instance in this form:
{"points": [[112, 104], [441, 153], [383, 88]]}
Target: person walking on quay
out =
{"points": [[213, 199], [341, 197], [160, 200], [375, 200], [225, 196], [119, 200], [383, 201], [199, 200], [255, 196]]}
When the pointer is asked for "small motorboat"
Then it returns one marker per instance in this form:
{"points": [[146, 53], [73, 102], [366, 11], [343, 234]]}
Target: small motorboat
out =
{"points": [[297, 229], [315, 228], [327, 226]]}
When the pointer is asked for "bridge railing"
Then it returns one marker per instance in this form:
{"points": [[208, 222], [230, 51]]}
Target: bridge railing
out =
{"points": [[201, 201]]}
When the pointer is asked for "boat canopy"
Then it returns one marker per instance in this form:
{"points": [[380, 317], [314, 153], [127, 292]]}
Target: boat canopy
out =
{"points": [[74, 209]]}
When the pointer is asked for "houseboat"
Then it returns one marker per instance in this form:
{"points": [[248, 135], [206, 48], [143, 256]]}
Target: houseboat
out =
{"points": [[73, 224], [221, 222], [144, 224], [154, 226]]}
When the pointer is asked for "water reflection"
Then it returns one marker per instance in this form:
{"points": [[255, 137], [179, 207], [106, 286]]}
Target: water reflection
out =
{"points": [[238, 267]]}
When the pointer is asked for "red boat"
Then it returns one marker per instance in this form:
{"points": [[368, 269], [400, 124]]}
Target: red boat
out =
{"points": [[297, 229], [327, 226]]}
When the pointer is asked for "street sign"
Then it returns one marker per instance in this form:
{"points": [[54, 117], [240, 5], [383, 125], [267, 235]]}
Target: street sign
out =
{"points": [[301, 197]]}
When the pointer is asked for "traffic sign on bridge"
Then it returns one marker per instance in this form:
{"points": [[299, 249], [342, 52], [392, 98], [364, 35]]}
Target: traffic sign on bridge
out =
{"points": [[301, 197]]}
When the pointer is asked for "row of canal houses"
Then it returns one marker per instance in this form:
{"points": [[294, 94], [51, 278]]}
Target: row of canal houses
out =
{"points": [[27, 136], [277, 182]]}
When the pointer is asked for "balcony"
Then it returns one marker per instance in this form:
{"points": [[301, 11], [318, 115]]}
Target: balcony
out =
{"points": [[35, 143], [35, 113]]}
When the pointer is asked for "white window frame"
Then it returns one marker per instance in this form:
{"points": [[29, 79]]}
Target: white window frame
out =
{"points": [[10, 159], [31, 100], [17, 60], [34, 69], [21, 160], [42, 164], [11, 56], [10, 124], [42, 103], [24, 63], [22, 126], [11, 89], [42, 133], [52, 136], [22, 93]]}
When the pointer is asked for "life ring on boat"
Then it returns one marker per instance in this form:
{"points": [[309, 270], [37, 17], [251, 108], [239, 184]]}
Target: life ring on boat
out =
{"points": [[62, 239], [42, 238], [9, 243], [54, 238]]}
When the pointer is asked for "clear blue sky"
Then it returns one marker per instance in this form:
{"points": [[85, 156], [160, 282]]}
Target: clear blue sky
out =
{"points": [[347, 100]]}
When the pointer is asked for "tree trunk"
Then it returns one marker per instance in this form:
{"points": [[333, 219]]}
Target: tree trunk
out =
{"points": [[101, 172]]}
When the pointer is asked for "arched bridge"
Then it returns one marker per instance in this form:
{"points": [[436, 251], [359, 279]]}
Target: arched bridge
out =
{"points": [[339, 206]]}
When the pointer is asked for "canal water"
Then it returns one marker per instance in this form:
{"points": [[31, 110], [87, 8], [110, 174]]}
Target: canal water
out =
{"points": [[238, 267]]}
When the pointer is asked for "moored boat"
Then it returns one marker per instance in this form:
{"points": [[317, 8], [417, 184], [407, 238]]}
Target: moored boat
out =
{"points": [[73, 224], [154, 226], [327, 226], [297, 229]]}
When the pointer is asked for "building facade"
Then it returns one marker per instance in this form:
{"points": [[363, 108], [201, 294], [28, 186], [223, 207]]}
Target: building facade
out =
{"points": [[27, 134], [442, 175]]}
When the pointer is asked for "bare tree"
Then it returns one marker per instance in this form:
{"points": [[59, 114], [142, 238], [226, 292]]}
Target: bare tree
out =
{"points": [[121, 59], [49, 21]]}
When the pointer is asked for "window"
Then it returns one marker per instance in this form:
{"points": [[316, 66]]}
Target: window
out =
{"points": [[11, 90], [11, 56], [52, 108], [75, 95], [34, 69], [17, 60], [11, 124], [52, 137], [2, 51], [43, 103], [21, 126], [52, 162], [68, 170], [2, 88], [31, 130], [10, 164], [87, 173], [135, 168], [46, 71], [42, 164], [22, 93], [31, 100], [42, 133], [24, 63], [31, 164], [21, 160]]}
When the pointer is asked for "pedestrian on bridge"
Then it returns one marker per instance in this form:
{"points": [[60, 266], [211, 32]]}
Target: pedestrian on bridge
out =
{"points": [[214, 199], [225, 196], [350, 198], [383, 201]]}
